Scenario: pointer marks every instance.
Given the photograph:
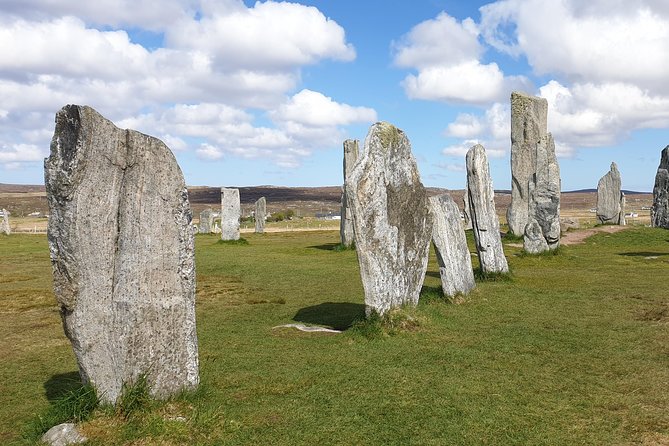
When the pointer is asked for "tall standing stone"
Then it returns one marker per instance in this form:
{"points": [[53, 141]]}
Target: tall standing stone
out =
{"points": [[484, 218], [544, 195], [610, 199], [206, 222], [260, 215], [393, 227], [122, 253], [351, 152], [660, 212], [529, 123], [4, 227], [230, 213], [448, 235]]}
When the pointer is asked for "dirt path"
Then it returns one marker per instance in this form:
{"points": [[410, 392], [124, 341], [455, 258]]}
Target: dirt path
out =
{"points": [[579, 236]]}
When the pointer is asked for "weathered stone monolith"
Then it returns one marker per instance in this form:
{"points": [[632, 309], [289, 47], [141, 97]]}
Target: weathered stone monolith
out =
{"points": [[466, 212], [260, 215], [533, 239], [484, 218], [206, 222], [393, 227], [544, 193], [448, 235], [4, 227], [230, 213], [659, 217], [529, 118], [122, 252], [351, 152], [610, 199]]}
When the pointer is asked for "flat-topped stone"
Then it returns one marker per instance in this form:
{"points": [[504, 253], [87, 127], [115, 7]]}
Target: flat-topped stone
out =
{"points": [[230, 213]]}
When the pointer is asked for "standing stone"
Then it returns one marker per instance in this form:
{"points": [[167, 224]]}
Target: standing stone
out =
{"points": [[466, 211], [260, 215], [484, 218], [448, 235], [659, 217], [206, 221], [610, 199], [393, 227], [351, 152], [533, 240], [230, 213], [122, 252], [544, 193], [5, 228]]}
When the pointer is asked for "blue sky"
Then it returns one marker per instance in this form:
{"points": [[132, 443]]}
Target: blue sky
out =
{"points": [[250, 93]]}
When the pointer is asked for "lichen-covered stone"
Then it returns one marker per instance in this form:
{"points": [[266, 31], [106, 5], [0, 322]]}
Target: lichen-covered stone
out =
{"points": [[533, 239], [610, 199], [544, 192], [448, 236], [485, 222], [63, 435], [230, 213], [529, 118], [206, 222], [660, 210], [351, 153], [122, 252], [393, 227], [4, 226], [260, 215]]}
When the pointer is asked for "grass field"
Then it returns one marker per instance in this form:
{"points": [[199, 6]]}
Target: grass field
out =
{"points": [[573, 349]]}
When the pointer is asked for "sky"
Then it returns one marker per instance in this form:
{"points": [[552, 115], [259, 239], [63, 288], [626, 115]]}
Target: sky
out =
{"points": [[264, 93]]}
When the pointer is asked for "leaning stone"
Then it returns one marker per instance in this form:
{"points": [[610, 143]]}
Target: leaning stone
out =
{"points": [[610, 199], [484, 218], [544, 192], [4, 227], [393, 228], [63, 435], [448, 236], [533, 239], [351, 152], [206, 222], [122, 252], [230, 213], [660, 209], [529, 118], [260, 215]]}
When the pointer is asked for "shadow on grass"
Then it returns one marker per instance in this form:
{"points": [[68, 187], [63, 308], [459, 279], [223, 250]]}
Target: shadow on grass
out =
{"points": [[433, 274], [643, 254], [61, 384], [336, 315], [325, 247]]}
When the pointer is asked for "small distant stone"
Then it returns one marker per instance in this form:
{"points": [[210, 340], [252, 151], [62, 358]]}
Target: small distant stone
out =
{"points": [[63, 435], [308, 328]]}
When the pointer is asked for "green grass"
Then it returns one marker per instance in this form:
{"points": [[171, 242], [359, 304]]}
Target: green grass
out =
{"points": [[572, 349]]}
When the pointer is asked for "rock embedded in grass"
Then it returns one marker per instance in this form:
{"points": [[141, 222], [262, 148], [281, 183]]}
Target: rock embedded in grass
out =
{"points": [[393, 227], [351, 153], [230, 213], [660, 209], [63, 434], [122, 253], [448, 236], [484, 217], [610, 199]]}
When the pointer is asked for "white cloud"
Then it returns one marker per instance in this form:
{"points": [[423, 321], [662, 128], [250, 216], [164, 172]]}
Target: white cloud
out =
{"points": [[209, 152], [460, 150], [15, 154]]}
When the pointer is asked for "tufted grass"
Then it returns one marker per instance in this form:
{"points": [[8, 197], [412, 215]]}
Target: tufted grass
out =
{"points": [[569, 349]]}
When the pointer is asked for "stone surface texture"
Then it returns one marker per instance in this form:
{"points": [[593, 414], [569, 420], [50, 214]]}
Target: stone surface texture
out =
{"points": [[63, 434], [544, 193], [351, 153], [230, 213], [122, 252], [466, 212], [529, 122], [260, 214], [393, 226], [660, 209], [206, 222], [533, 239], [4, 225], [484, 218], [610, 199], [448, 236]]}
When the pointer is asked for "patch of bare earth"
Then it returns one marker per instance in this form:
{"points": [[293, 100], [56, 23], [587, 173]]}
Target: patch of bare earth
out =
{"points": [[577, 237]]}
